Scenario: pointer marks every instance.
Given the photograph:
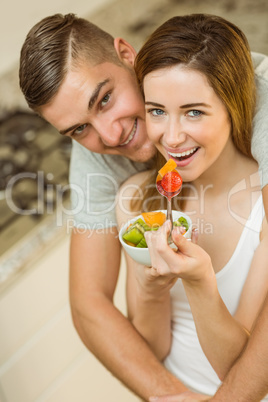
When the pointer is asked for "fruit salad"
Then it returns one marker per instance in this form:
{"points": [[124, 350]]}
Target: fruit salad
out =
{"points": [[134, 235], [169, 183]]}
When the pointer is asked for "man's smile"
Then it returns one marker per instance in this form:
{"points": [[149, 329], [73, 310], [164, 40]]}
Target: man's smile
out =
{"points": [[131, 135]]}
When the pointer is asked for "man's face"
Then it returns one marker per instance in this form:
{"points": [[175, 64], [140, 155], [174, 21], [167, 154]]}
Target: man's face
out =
{"points": [[101, 107]]}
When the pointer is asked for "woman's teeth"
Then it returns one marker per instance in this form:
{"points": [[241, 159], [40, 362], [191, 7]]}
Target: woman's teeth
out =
{"points": [[182, 155], [131, 134]]}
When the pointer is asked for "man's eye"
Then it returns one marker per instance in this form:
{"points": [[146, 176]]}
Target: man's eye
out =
{"points": [[194, 113], [79, 129], [105, 100]]}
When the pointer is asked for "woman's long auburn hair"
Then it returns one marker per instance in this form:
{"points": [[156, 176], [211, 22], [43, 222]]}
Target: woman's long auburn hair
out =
{"points": [[216, 48]]}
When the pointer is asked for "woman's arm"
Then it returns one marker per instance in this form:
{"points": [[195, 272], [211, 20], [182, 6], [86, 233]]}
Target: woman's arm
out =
{"points": [[221, 335], [149, 307], [247, 380], [148, 297]]}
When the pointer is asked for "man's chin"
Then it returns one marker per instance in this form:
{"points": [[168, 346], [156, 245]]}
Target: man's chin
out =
{"points": [[142, 155]]}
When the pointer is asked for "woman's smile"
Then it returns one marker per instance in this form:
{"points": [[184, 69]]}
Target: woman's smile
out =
{"points": [[184, 157], [186, 119]]}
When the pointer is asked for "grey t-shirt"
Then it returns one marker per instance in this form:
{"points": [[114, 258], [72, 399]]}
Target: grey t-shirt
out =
{"points": [[259, 143], [95, 180]]}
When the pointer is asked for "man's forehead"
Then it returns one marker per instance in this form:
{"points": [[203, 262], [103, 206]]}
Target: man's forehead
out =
{"points": [[98, 66], [86, 75]]}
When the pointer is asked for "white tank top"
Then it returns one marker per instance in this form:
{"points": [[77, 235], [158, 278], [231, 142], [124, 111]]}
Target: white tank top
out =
{"points": [[186, 359]]}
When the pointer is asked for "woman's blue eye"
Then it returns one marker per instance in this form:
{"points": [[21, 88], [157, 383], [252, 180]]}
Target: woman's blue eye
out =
{"points": [[194, 113], [156, 112]]}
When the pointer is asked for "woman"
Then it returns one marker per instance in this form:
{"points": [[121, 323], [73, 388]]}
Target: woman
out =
{"points": [[196, 307]]}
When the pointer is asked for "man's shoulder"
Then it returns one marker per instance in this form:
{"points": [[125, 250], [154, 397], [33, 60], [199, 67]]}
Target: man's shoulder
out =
{"points": [[117, 165], [84, 156], [260, 62]]}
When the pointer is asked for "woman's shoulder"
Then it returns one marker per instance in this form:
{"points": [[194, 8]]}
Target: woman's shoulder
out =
{"points": [[137, 179], [131, 189]]}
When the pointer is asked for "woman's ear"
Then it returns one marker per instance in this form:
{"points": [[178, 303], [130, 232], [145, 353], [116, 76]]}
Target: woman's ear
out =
{"points": [[125, 52]]}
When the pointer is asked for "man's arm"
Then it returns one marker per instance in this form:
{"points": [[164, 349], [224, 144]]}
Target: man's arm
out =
{"points": [[265, 200], [247, 381], [94, 267]]}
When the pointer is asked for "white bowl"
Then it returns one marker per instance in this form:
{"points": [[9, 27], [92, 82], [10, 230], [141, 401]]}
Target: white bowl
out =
{"points": [[142, 255]]}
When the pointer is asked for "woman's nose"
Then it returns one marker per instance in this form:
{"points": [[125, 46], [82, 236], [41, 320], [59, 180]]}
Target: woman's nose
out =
{"points": [[174, 135]]}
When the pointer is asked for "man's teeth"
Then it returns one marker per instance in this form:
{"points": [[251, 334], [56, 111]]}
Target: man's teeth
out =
{"points": [[131, 134], [182, 154]]}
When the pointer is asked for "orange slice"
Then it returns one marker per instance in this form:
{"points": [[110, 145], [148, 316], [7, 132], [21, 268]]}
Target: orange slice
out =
{"points": [[129, 243], [154, 218], [168, 167]]}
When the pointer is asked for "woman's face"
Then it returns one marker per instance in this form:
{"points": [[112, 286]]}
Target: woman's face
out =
{"points": [[185, 119]]}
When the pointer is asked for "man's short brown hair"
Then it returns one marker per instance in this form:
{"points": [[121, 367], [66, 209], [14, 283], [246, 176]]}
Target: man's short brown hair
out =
{"points": [[54, 46]]}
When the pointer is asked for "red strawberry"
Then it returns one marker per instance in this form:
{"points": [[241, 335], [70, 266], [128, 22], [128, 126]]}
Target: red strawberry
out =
{"points": [[171, 181]]}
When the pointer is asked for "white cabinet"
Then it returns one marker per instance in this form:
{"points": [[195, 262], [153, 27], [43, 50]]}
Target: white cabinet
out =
{"points": [[42, 359]]}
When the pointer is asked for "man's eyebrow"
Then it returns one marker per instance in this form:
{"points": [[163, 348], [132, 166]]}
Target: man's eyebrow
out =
{"points": [[96, 92], [66, 130], [91, 103]]}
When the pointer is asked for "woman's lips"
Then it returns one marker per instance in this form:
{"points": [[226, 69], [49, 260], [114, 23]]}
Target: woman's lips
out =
{"points": [[183, 154], [183, 158]]}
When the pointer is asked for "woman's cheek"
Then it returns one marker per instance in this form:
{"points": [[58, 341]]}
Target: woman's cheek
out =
{"points": [[152, 132]]}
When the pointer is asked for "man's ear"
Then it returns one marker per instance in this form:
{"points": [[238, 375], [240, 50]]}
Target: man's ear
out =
{"points": [[125, 52]]}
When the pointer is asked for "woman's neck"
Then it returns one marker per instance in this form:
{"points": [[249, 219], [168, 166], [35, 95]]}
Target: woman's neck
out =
{"points": [[229, 169]]}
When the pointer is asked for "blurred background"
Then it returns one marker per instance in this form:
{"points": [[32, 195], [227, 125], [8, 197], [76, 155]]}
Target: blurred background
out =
{"points": [[41, 357]]}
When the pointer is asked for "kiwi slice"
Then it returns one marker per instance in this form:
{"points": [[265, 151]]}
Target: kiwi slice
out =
{"points": [[181, 222], [135, 232], [142, 243]]}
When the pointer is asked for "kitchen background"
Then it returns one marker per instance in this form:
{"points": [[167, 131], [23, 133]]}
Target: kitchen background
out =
{"points": [[41, 357]]}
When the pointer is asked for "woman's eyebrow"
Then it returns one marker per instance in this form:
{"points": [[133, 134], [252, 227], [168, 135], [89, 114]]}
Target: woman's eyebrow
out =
{"points": [[154, 104], [186, 106], [190, 105]]}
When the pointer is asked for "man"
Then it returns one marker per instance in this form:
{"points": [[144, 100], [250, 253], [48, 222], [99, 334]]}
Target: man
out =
{"points": [[82, 81]]}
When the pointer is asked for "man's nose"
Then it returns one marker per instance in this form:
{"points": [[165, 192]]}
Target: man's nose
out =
{"points": [[110, 132]]}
